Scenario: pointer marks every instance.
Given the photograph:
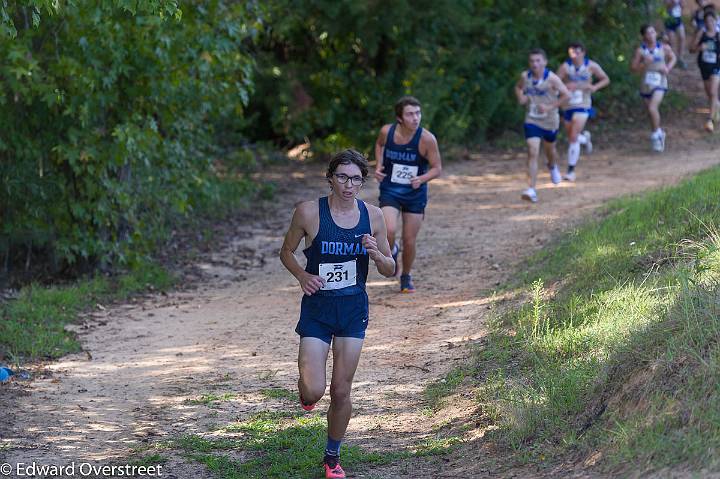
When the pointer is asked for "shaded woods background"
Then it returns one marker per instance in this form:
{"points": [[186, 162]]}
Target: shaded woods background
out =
{"points": [[120, 118]]}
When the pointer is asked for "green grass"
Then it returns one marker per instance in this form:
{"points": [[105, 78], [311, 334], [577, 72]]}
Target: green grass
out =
{"points": [[272, 445], [275, 444], [149, 460], [279, 393], [33, 325], [211, 398], [436, 391], [616, 341]]}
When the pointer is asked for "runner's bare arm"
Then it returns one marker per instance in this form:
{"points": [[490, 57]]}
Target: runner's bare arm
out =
{"points": [[637, 64], [670, 58], [563, 92], [430, 150], [520, 90], [695, 45], [377, 245], [562, 72], [299, 228], [599, 73], [379, 148]]}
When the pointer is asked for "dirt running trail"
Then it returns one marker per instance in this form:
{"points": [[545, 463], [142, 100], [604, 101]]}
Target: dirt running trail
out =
{"points": [[234, 332]]}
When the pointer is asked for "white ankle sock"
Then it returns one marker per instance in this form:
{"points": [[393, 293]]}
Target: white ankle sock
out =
{"points": [[573, 153]]}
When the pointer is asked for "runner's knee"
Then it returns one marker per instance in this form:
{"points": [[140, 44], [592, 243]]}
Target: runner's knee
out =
{"points": [[312, 393], [408, 242], [340, 392]]}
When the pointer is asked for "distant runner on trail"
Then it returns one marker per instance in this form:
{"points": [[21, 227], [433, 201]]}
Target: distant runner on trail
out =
{"points": [[578, 73], [653, 60], [342, 233], [698, 18], [707, 44], [541, 92], [408, 158], [675, 29]]}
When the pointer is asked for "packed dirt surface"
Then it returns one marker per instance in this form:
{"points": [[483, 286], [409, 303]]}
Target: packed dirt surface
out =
{"points": [[232, 329]]}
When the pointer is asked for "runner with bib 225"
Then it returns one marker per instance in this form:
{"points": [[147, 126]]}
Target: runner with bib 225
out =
{"points": [[407, 159]]}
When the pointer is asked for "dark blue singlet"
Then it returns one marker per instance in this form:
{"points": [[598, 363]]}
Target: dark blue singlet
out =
{"points": [[397, 194], [341, 312]]}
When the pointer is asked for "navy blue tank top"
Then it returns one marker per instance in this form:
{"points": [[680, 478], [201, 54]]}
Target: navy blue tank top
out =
{"points": [[337, 254], [407, 157]]}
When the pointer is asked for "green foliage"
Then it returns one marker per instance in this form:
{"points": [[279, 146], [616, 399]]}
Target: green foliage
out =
{"points": [[110, 116], [624, 355], [333, 72]]}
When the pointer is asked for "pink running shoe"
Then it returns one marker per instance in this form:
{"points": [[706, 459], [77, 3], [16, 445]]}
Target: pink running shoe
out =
{"points": [[307, 407], [335, 472]]}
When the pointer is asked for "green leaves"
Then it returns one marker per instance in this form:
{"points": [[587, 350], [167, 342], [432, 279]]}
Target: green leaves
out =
{"points": [[119, 103]]}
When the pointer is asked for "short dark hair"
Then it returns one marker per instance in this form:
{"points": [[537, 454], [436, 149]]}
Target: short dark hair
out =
{"points": [[577, 46], [538, 51], [644, 28], [404, 101], [347, 157], [710, 13]]}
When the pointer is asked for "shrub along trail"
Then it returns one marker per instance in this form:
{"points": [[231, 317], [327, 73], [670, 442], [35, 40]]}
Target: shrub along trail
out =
{"points": [[189, 362]]}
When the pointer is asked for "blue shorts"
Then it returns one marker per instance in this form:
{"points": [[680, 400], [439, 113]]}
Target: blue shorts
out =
{"points": [[673, 23], [568, 114], [325, 317], [413, 201], [647, 96], [534, 131]]}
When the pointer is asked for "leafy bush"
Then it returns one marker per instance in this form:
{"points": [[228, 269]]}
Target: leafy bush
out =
{"points": [[109, 119]]}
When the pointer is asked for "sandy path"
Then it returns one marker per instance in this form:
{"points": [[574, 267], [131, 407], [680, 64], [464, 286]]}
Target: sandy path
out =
{"points": [[234, 332]]}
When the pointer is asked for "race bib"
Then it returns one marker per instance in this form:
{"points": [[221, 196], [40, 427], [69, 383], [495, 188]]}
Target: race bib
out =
{"points": [[653, 79], [535, 112], [576, 97], [676, 11], [402, 174], [338, 275], [709, 57]]}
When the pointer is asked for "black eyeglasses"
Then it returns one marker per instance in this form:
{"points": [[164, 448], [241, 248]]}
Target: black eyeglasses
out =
{"points": [[354, 180]]}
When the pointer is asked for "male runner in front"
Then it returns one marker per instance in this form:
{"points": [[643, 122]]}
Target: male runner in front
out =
{"points": [[407, 158], [341, 235], [542, 92], [577, 73]]}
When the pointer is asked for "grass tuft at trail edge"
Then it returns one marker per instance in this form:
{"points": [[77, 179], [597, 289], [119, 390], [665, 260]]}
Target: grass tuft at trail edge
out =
{"points": [[614, 350]]}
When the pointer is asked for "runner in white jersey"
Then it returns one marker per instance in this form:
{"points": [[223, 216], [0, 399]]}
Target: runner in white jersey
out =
{"points": [[653, 60], [578, 73], [541, 92]]}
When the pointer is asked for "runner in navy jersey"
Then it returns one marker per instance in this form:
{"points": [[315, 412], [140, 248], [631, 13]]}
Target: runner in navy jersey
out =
{"points": [[342, 234], [707, 44], [407, 159]]}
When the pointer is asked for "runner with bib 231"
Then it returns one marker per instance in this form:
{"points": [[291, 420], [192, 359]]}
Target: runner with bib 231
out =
{"points": [[342, 234], [407, 159]]}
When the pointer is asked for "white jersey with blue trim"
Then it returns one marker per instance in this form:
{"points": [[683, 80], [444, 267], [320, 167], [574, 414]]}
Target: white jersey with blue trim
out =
{"points": [[582, 77], [540, 92]]}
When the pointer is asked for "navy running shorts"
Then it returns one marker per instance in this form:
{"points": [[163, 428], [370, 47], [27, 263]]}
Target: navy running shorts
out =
{"points": [[413, 201], [568, 114], [534, 131], [325, 317]]}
